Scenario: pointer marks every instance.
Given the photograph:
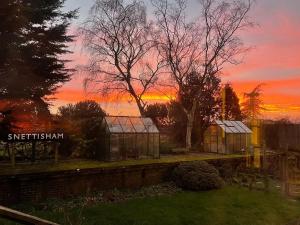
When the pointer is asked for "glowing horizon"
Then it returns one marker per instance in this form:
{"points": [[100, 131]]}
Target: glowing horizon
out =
{"points": [[274, 61]]}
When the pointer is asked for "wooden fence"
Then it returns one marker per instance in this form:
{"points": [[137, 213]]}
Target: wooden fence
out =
{"points": [[282, 136], [23, 218]]}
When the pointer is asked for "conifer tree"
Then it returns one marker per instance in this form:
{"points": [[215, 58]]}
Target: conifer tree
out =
{"points": [[232, 105], [33, 39]]}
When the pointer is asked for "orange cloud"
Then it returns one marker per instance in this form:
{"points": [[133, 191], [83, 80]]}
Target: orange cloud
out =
{"points": [[274, 60], [76, 95], [281, 97]]}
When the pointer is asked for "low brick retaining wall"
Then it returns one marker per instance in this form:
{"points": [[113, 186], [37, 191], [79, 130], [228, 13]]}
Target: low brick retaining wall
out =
{"points": [[40, 186]]}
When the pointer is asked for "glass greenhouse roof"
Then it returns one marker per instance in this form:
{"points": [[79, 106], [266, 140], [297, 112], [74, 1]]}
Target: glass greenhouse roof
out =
{"points": [[123, 124], [233, 127]]}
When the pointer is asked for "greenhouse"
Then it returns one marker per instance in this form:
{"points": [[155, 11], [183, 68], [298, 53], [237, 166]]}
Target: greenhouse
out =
{"points": [[130, 137], [227, 137]]}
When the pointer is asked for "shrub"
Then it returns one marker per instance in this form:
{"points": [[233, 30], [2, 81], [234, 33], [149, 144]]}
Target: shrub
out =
{"points": [[197, 176], [166, 146], [227, 168], [82, 124]]}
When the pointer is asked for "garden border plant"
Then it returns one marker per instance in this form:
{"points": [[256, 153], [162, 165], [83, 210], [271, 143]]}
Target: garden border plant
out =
{"points": [[197, 176]]}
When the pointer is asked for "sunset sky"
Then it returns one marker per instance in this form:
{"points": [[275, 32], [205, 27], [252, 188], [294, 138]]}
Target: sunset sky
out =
{"points": [[274, 60]]}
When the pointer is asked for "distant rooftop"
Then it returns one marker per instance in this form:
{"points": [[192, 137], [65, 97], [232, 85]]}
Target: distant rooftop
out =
{"points": [[233, 126]]}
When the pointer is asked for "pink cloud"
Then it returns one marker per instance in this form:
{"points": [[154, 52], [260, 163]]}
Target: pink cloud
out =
{"points": [[274, 60]]}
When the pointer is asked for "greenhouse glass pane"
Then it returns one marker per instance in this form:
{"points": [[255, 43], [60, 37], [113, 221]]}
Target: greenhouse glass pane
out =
{"points": [[156, 146], [150, 126], [113, 124], [142, 143], [227, 129], [238, 127], [126, 125], [138, 125], [244, 127], [232, 125], [227, 123], [114, 143]]}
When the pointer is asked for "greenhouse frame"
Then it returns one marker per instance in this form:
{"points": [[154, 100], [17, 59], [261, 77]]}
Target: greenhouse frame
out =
{"points": [[130, 137], [227, 137]]}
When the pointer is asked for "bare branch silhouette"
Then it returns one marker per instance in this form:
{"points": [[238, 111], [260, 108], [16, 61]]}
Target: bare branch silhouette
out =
{"points": [[198, 50], [117, 36]]}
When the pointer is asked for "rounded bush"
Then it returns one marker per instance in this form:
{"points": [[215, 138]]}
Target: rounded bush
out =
{"points": [[197, 176]]}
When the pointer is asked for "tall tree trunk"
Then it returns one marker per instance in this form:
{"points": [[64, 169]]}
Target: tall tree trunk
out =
{"points": [[141, 108], [138, 101], [190, 122], [189, 127]]}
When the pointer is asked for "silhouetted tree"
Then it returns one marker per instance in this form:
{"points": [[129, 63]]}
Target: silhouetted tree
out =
{"points": [[232, 110], [117, 37], [198, 48], [178, 123], [172, 116], [158, 112], [206, 95], [82, 122], [252, 105], [33, 39], [175, 120], [6, 124]]}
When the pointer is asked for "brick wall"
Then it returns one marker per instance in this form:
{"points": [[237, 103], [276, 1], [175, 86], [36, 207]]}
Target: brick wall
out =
{"points": [[40, 186]]}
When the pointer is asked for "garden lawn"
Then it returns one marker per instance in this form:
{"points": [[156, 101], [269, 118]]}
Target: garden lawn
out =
{"points": [[232, 205]]}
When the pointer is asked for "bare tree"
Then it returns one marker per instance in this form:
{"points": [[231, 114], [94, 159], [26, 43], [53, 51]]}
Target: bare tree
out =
{"points": [[122, 60], [252, 105], [200, 47]]}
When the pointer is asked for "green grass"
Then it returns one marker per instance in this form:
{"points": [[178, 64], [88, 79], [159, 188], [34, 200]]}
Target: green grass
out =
{"points": [[229, 206], [89, 164]]}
